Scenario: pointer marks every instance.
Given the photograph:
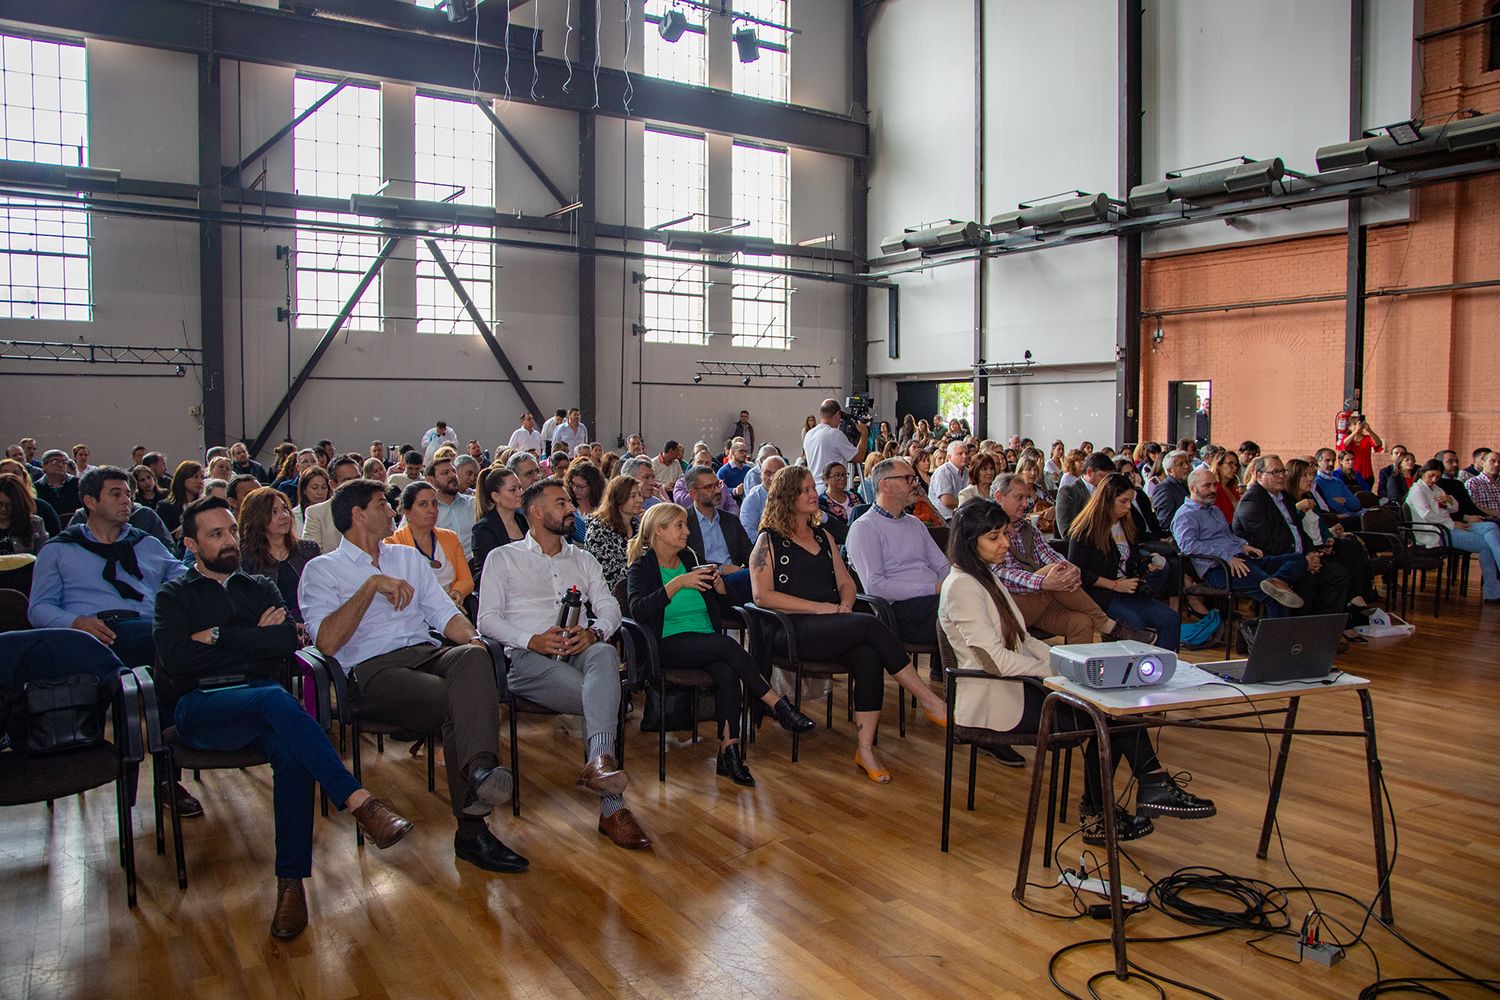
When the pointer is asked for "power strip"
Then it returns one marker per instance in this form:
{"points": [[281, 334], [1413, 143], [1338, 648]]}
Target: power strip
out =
{"points": [[1323, 954], [1100, 886]]}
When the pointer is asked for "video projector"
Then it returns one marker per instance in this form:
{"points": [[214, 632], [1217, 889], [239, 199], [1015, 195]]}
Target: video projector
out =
{"points": [[1114, 664]]}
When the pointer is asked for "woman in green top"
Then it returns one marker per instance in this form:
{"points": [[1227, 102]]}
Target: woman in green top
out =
{"points": [[669, 595]]}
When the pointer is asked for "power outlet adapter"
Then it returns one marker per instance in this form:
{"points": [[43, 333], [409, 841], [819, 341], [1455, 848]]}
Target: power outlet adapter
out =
{"points": [[1323, 954]]}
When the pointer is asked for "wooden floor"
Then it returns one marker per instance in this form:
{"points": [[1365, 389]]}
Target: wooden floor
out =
{"points": [[817, 883]]}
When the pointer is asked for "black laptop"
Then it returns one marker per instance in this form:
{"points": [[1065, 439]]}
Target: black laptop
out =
{"points": [[1286, 649]]}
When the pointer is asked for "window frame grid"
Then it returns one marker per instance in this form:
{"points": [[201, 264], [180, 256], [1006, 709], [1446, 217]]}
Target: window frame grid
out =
{"points": [[769, 77], [760, 303], [678, 312], [682, 61], [439, 310]]}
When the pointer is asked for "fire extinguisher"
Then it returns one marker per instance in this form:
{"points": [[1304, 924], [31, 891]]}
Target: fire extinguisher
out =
{"points": [[1341, 423]]}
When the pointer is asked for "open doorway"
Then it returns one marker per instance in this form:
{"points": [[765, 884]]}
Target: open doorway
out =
{"points": [[1189, 411]]}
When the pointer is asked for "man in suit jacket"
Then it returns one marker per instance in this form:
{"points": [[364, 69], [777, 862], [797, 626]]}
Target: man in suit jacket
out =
{"points": [[716, 537], [1266, 520], [317, 520], [1073, 497], [1169, 493]]}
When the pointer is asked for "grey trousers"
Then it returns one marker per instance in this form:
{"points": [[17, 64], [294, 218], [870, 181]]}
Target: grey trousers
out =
{"points": [[588, 686]]}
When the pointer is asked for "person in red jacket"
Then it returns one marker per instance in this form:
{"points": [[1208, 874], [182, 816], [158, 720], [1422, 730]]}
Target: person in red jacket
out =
{"points": [[1362, 442]]}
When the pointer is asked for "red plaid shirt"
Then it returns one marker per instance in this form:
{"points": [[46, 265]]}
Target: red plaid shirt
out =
{"points": [[1484, 491]]}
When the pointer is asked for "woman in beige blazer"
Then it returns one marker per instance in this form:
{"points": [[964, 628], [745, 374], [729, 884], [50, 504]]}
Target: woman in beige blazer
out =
{"points": [[988, 633]]}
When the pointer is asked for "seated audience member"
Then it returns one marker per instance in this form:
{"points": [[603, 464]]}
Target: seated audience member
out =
{"points": [[220, 467], [374, 468], [835, 501], [1115, 571], [1072, 466], [1484, 489], [641, 471], [1042, 506], [718, 537], [1448, 482], [988, 632], [795, 568], [313, 488], [187, 486], [438, 546], [611, 466], [585, 484], [1046, 587], [569, 670], [1072, 498], [755, 500], [455, 509], [668, 466], [269, 545], [732, 474], [148, 493], [1052, 469], [635, 447], [140, 517], [1468, 472], [1351, 478], [500, 519], [866, 492], [238, 488], [410, 471], [216, 488], [1200, 530], [317, 520], [752, 478], [1429, 505], [21, 530], [1331, 486], [1226, 467], [983, 468], [668, 587], [476, 451], [682, 493], [288, 477], [526, 437], [371, 603], [1395, 483], [1322, 526], [949, 480], [223, 637], [1383, 477], [80, 454], [243, 465], [1247, 452], [57, 486], [527, 468], [466, 468], [1171, 489], [608, 530], [377, 451]]}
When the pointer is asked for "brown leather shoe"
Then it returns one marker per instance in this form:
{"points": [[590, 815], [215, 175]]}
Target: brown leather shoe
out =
{"points": [[603, 775], [623, 830], [381, 823], [291, 909]]}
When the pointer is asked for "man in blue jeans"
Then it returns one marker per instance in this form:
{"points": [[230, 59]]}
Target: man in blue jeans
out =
{"points": [[222, 637], [1200, 530]]}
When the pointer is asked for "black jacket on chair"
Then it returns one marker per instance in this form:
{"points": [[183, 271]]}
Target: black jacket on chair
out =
{"points": [[1168, 495], [648, 595], [1258, 522], [1094, 563], [736, 539], [1071, 500]]}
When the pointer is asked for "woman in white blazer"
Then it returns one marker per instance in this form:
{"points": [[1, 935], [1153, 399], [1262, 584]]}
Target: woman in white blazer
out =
{"points": [[988, 633]]}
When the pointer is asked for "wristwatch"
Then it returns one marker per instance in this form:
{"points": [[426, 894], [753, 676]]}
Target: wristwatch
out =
{"points": [[598, 633], [213, 636]]}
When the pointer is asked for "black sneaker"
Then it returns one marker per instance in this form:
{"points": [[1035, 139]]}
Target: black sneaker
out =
{"points": [[1004, 756], [1128, 826], [1159, 794]]}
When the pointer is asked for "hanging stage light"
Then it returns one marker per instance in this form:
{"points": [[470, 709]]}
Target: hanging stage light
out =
{"points": [[748, 44], [1415, 145], [1249, 177], [1054, 214], [936, 239], [672, 24]]}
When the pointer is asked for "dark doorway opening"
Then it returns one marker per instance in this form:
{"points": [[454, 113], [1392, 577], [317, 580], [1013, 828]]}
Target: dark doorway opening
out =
{"points": [[1189, 413]]}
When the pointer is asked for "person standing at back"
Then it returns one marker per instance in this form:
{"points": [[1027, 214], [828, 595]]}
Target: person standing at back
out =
{"points": [[825, 443]]}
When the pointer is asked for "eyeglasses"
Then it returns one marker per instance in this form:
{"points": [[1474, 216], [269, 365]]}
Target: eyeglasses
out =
{"points": [[1274, 472], [906, 479]]}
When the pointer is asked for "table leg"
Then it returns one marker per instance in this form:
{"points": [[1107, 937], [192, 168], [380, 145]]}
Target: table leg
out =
{"points": [[1377, 807], [1276, 778]]}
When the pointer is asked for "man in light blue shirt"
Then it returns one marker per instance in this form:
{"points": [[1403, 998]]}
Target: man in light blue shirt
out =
{"points": [[101, 576], [1335, 492], [1200, 530], [755, 500], [455, 508]]}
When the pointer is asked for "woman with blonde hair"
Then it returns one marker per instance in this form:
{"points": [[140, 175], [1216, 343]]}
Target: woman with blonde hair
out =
{"points": [[610, 527], [269, 545], [669, 596], [1072, 467], [796, 569]]}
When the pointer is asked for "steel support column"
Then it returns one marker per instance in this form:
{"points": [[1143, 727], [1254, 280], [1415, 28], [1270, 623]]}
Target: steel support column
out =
{"points": [[211, 254], [981, 268], [859, 205], [1354, 232], [588, 125], [1128, 246], [324, 342], [516, 382]]}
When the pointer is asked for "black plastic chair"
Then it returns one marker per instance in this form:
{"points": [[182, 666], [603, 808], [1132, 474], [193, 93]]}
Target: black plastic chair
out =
{"points": [[27, 778], [1190, 585], [1382, 528], [914, 652], [643, 669], [13, 611]]}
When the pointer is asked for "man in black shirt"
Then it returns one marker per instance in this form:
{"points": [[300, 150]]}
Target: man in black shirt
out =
{"points": [[243, 465], [56, 486], [221, 637]]}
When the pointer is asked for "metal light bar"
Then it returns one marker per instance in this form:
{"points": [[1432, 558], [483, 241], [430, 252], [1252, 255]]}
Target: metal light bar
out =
{"points": [[1007, 369], [92, 354], [747, 371]]}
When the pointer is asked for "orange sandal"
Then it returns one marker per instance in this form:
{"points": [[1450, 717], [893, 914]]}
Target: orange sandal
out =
{"points": [[879, 775], [934, 719]]}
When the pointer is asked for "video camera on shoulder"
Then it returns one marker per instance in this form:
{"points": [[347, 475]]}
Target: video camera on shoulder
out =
{"points": [[859, 408]]}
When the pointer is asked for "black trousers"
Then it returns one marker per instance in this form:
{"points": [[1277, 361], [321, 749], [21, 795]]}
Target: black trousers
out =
{"points": [[1328, 590], [860, 642], [1351, 555], [1127, 743], [916, 619], [726, 662]]}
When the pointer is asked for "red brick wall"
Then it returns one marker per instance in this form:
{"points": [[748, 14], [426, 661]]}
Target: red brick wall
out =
{"points": [[1277, 372]]}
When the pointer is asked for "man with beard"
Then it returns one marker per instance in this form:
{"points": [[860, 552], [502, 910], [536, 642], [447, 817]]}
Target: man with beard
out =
{"points": [[222, 636], [372, 605], [718, 537], [571, 670], [455, 508]]}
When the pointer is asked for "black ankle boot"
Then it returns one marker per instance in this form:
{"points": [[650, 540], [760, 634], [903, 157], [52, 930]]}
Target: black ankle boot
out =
{"points": [[790, 719], [731, 765]]}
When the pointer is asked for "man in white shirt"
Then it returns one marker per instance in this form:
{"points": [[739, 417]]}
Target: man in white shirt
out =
{"points": [[436, 437], [826, 443], [371, 605], [949, 479], [668, 467], [549, 426], [570, 670], [571, 433], [526, 437], [317, 520], [455, 508]]}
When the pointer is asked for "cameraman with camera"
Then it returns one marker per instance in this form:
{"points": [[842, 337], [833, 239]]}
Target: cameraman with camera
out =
{"points": [[826, 443]]}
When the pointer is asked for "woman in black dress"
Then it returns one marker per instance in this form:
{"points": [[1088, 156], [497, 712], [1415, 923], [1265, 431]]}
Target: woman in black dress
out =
{"points": [[795, 568]]}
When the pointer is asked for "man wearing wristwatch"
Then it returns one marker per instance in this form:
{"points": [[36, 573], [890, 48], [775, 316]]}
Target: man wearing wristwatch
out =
{"points": [[572, 670]]}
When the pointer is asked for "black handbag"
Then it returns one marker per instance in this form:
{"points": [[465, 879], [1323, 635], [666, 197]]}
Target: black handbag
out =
{"points": [[63, 713], [678, 714]]}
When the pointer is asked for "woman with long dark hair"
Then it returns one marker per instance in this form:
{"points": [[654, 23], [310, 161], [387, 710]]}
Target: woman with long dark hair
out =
{"points": [[1400, 481], [21, 530], [609, 528], [585, 486], [500, 520], [313, 487], [187, 486], [148, 492], [269, 545], [667, 589], [438, 546], [1102, 544], [796, 569], [987, 633]]}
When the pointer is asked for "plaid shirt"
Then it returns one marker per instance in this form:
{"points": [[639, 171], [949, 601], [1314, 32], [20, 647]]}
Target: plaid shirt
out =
{"points": [[1016, 577], [1484, 491]]}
